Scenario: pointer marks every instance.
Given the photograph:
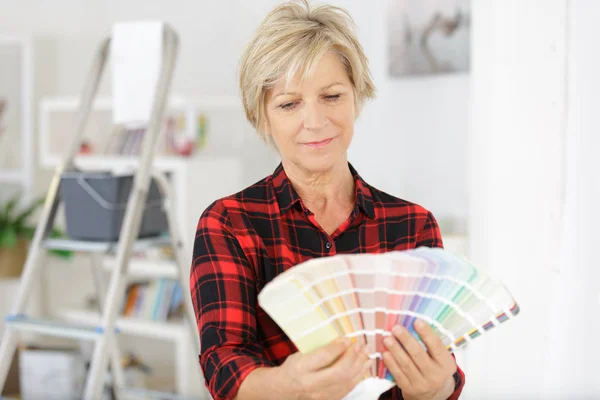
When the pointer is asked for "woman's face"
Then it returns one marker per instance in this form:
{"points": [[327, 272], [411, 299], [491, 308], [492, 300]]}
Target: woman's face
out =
{"points": [[312, 123]]}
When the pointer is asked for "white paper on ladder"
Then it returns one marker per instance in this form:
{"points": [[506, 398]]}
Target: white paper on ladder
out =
{"points": [[137, 57]]}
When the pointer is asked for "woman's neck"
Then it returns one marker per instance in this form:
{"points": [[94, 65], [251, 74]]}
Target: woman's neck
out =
{"points": [[323, 190]]}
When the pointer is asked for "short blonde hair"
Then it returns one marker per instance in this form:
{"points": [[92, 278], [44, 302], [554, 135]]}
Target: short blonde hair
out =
{"points": [[293, 37]]}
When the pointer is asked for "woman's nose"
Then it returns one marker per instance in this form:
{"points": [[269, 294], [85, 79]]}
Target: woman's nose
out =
{"points": [[314, 116]]}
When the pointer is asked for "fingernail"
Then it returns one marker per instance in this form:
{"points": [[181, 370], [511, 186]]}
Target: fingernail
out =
{"points": [[357, 347], [397, 330], [347, 342], [388, 341], [419, 324], [365, 350]]}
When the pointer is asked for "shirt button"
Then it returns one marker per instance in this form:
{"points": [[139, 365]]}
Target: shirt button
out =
{"points": [[328, 245]]}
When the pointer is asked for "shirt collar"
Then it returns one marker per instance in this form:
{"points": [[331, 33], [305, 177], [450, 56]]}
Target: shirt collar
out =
{"points": [[288, 197]]}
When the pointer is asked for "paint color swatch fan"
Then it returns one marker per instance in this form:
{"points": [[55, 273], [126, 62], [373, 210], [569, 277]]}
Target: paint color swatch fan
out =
{"points": [[362, 296]]}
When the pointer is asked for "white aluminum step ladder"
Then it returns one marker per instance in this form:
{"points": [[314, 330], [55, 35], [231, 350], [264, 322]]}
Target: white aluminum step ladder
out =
{"points": [[111, 298]]}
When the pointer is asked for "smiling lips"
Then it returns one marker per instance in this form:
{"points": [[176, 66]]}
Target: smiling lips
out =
{"points": [[321, 143]]}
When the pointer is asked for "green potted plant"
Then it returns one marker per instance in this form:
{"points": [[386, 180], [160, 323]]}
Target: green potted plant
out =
{"points": [[16, 233]]}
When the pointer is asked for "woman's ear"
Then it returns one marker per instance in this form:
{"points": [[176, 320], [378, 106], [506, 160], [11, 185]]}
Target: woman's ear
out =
{"points": [[264, 131], [355, 109], [266, 134]]}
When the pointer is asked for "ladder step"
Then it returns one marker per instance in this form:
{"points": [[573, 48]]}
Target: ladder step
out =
{"points": [[146, 268], [50, 327], [134, 393], [104, 247]]}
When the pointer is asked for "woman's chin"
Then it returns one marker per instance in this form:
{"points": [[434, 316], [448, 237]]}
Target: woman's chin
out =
{"points": [[323, 162]]}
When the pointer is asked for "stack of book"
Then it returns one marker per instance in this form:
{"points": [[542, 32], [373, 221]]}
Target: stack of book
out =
{"points": [[157, 300], [175, 138]]}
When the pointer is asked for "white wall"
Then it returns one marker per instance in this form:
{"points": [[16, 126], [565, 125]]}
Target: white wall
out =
{"points": [[533, 192], [412, 140], [576, 296]]}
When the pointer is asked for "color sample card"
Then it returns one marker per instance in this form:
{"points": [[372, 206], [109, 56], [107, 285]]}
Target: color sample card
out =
{"points": [[363, 296]]}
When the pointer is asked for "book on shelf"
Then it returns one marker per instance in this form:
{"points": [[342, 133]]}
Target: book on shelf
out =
{"points": [[176, 139], [157, 300], [125, 141]]}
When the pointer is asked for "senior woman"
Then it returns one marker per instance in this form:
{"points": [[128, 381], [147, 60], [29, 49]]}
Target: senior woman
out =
{"points": [[304, 78]]}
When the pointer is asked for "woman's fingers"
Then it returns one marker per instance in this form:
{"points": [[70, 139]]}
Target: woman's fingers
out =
{"points": [[415, 350], [402, 357], [327, 355], [435, 347], [399, 376], [340, 368], [361, 368], [347, 371]]}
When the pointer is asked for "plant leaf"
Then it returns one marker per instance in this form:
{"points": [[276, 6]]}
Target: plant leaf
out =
{"points": [[66, 254], [10, 206], [27, 233], [8, 237], [22, 217]]}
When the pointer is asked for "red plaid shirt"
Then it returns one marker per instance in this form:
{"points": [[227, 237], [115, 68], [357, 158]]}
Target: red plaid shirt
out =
{"points": [[243, 241]]}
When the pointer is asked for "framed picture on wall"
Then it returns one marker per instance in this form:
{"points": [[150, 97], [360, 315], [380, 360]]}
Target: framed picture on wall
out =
{"points": [[428, 37]]}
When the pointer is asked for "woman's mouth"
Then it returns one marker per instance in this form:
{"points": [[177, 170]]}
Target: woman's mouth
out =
{"points": [[321, 143]]}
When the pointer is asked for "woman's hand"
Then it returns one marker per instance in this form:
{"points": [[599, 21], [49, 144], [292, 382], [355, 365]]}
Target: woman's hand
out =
{"points": [[328, 373], [420, 374]]}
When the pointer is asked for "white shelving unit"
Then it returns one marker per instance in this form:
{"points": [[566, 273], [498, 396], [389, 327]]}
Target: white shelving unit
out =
{"points": [[172, 331], [229, 138], [197, 181], [146, 268], [23, 174], [11, 176], [16, 69]]}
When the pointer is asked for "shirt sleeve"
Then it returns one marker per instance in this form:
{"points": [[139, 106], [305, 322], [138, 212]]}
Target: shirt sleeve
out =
{"points": [[430, 235], [223, 291]]}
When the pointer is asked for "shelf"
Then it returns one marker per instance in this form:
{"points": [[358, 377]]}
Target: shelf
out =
{"points": [[101, 162], [116, 162], [104, 247], [11, 176], [227, 130], [146, 268], [144, 394], [53, 328], [173, 331]]}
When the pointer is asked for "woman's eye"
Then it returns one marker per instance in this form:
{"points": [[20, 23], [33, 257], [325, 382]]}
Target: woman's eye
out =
{"points": [[333, 97], [287, 106]]}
